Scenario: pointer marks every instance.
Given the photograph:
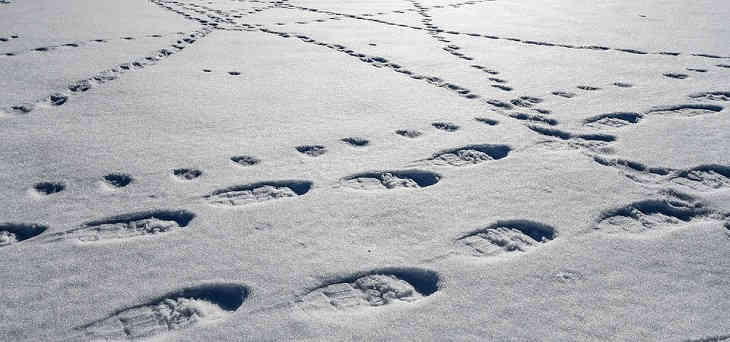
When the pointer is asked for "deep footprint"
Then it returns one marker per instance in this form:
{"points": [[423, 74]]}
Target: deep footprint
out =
{"points": [[393, 179], [381, 287], [11, 233], [137, 224], [245, 194], [177, 310], [506, 237]]}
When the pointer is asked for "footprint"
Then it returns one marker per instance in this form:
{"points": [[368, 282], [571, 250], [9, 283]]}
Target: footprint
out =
{"points": [[533, 118], [697, 70], [506, 238], [137, 224], [588, 88], [711, 95], [392, 179], [704, 177], [688, 110], [240, 195], [657, 216], [487, 121], [636, 171], [234, 73], [48, 188], [363, 290], [551, 132], [11, 233], [408, 133], [79, 86], [502, 87], [356, 141], [23, 108], [57, 99], [565, 94], [675, 75], [312, 150], [613, 120], [623, 84], [186, 174], [185, 308], [469, 155], [445, 126], [244, 160], [726, 66], [118, 180], [526, 101]]}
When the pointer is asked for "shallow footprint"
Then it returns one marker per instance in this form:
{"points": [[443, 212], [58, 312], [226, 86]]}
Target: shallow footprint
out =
{"points": [[137, 224], [505, 237], [380, 287], [177, 310], [392, 179], [469, 155], [651, 216], [240, 195]]}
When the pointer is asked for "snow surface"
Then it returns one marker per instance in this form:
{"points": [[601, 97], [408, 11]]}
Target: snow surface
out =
{"points": [[320, 170]]}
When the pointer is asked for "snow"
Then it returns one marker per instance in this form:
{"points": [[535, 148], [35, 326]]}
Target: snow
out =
{"points": [[507, 170]]}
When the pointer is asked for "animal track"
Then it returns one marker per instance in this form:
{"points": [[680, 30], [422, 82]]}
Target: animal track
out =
{"points": [[312, 150], [445, 126], [504, 237], [48, 188], [356, 141], [380, 287], [137, 224], [675, 75], [186, 174], [393, 179], [240, 195], [118, 180], [11, 233], [613, 120], [408, 133], [623, 84], [711, 95], [177, 310], [686, 109], [658, 215], [244, 160]]}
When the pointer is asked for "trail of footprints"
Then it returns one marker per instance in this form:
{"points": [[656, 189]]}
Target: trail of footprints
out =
{"points": [[79, 87], [192, 306]]}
